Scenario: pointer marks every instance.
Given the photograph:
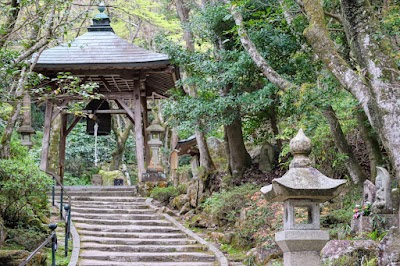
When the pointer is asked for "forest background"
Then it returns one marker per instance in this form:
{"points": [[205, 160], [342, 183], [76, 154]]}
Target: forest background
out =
{"points": [[253, 72]]}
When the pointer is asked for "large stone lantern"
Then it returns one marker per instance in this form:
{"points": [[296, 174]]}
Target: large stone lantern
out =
{"points": [[155, 130], [301, 190]]}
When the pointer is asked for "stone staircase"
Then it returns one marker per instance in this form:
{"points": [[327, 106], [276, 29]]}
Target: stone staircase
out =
{"points": [[117, 227]]}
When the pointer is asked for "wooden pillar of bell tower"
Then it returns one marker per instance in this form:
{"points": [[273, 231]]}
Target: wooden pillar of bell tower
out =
{"points": [[140, 144]]}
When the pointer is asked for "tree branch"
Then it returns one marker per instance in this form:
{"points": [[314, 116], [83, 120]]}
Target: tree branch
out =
{"points": [[251, 49]]}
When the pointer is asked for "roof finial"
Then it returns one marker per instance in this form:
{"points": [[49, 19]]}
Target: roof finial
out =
{"points": [[102, 7], [300, 147]]}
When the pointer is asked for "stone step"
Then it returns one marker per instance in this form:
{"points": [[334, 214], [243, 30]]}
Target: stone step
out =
{"points": [[120, 222], [110, 205], [97, 188], [125, 228], [147, 257], [110, 216], [146, 235], [108, 199], [104, 194], [111, 211], [137, 241], [142, 248], [87, 262]]}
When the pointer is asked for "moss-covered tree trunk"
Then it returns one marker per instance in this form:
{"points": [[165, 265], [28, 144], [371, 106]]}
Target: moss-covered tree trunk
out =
{"points": [[377, 87], [121, 136], [352, 165], [371, 141], [183, 11], [239, 158]]}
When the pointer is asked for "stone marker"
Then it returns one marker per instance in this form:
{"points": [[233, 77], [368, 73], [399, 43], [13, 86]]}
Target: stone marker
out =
{"points": [[383, 201], [369, 192], [301, 189]]}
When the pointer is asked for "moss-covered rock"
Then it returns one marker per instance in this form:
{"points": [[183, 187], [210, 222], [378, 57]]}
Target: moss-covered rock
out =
{"points": [[179, 201], [15, 257], [108, 177]]}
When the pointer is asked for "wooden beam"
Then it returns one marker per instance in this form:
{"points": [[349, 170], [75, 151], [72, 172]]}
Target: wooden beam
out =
{"points": [[106, 84], [61, 147], [46, 136], [74, 123], [129, 112], [110, 111], [139, 131]]}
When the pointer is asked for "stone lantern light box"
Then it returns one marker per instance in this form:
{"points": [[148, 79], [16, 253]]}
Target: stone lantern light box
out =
{"points": [[301, 190]]}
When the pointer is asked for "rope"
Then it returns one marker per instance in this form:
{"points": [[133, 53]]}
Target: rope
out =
{"points": [[96, 127]]}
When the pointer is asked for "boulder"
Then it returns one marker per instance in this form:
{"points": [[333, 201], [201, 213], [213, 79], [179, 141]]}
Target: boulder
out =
{"points": [[194, 191], [108, 177], [179, 201], [351, 250], [263, 256], [185, 209], [390, 249], [264, 156], [15, 257]]}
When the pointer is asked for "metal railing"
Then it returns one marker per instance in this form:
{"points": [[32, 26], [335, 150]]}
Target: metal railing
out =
{"points": [[51, 238], [67, 217], [66, 207]]}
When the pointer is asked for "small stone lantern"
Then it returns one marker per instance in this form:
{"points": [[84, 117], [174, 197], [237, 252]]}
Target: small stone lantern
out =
{"points": [[301, 190], [26, 129], [155, 130]]}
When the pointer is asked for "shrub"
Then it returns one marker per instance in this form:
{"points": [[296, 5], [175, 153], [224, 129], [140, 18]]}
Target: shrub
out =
{"points": [[225, 206], [163, 194], [23, 188]]}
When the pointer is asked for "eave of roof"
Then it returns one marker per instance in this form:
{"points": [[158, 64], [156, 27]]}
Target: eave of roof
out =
{"points": [[99, 49]]}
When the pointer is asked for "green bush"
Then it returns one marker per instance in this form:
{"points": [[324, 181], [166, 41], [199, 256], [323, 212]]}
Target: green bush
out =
{"points": [[163, 194], [225, 206], [29, 238], [23, 188]]}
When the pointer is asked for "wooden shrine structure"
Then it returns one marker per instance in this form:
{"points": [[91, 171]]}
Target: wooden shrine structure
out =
{"points": [[126, 74]]}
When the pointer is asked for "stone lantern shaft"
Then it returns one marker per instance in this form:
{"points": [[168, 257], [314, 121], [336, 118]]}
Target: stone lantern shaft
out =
{"points": [[301, 190]]}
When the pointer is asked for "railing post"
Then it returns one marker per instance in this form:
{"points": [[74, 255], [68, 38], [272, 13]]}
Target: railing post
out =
{"points": [[53, 244], [67, 209], [53, 191], [61, 202]]}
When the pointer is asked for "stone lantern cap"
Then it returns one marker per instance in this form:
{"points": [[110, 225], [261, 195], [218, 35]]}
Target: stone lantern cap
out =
{"points": [[302, 181], [155, 127], [26, 129]]}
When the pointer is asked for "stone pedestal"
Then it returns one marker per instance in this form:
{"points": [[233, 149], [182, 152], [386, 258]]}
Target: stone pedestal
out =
{"points": [[302, 247]]}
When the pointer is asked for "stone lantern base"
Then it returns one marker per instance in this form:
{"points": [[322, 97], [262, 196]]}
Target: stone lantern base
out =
{"points": [[302, 247]]}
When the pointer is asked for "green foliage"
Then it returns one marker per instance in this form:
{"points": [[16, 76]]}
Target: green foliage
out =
{"points": [[23, 188], [28, 238], [377, 235], [225, 206], [79, 159], [163, 194]]}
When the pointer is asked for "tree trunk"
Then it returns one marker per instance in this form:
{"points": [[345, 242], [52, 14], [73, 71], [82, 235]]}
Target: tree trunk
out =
{"points": [[9, 24], [5, 151], [205, 157], [121, 137], [376, 88], [352, 165], [239, 158], [371, 141]]}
